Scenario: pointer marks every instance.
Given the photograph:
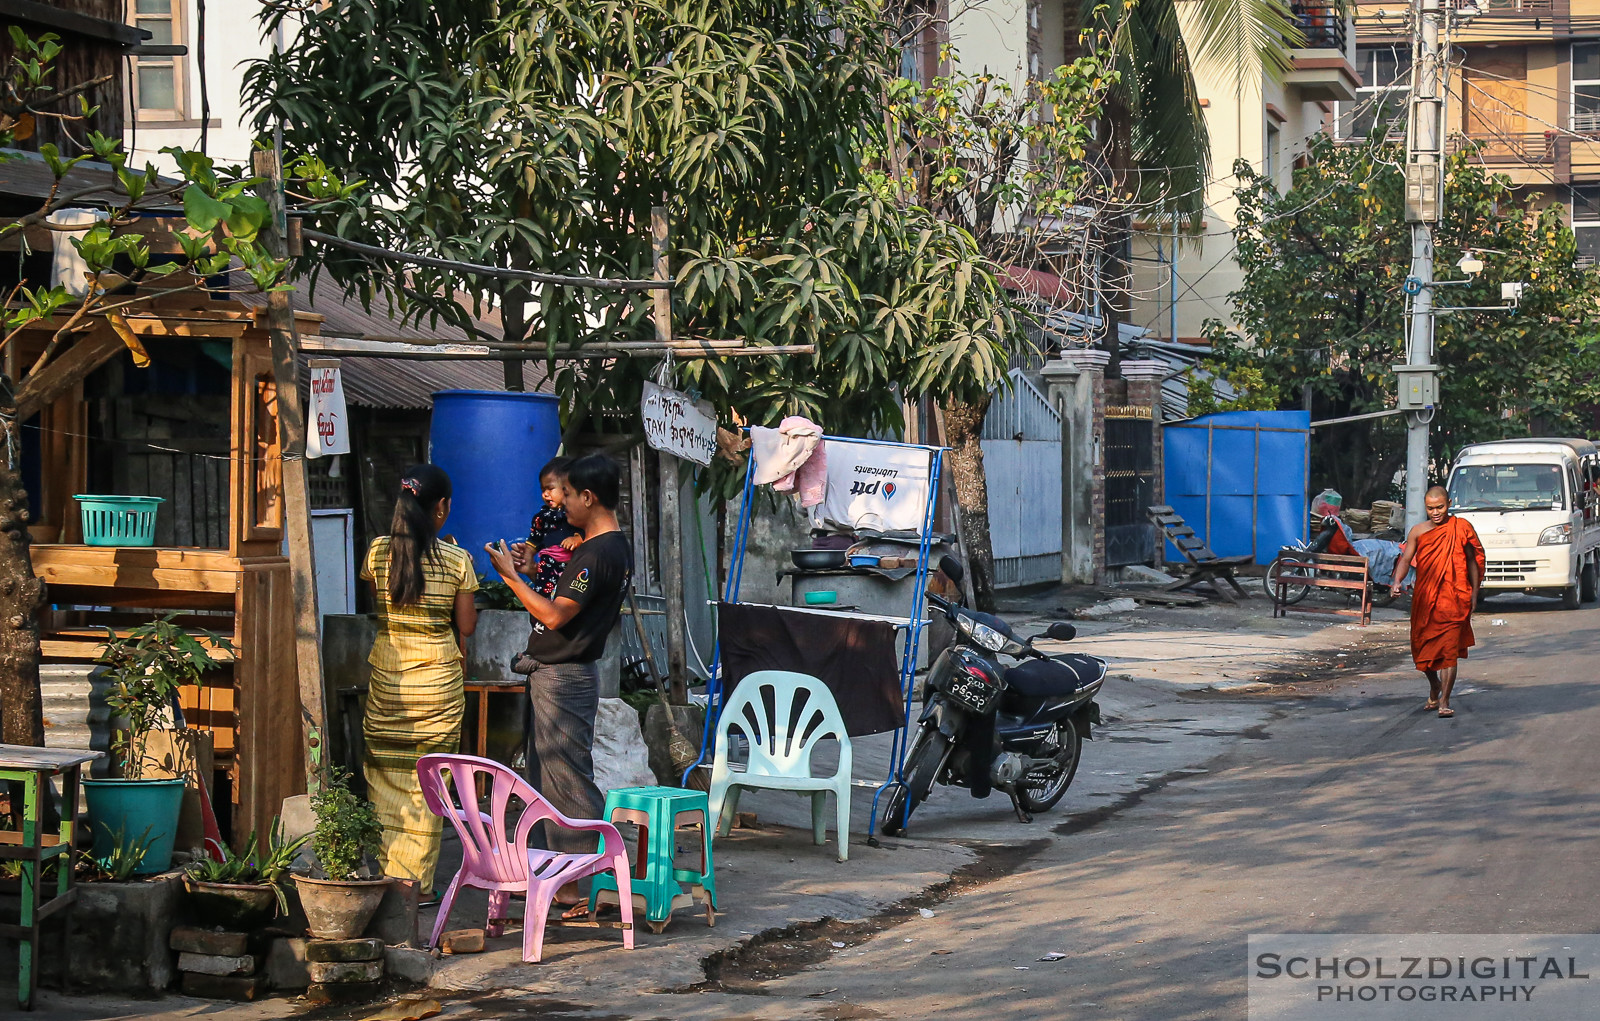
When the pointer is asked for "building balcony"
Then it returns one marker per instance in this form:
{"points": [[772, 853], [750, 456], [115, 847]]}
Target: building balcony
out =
{"points": [[1322, 70]]}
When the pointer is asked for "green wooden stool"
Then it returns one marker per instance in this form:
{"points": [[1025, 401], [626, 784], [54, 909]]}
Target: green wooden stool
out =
{"points": [[657, 812], [31, 769]]}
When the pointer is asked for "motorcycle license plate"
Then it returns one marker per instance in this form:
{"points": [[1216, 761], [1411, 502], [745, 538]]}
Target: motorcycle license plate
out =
{"points": [[972, 693]]}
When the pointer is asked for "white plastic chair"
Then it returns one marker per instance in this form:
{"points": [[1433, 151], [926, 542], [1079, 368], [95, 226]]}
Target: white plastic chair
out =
{"points": [[782, 714]]}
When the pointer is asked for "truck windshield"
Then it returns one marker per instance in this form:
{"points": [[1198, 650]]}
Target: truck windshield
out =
{"points": [[1507, 487]]}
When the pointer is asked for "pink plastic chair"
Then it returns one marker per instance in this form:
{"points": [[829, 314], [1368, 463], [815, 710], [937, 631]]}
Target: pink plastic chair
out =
{"points": [[503, 863]]}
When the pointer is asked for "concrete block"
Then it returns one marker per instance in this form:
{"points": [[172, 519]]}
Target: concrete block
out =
{"points": [[189, 939], [462, 941], [343, 992], [286, 964], [297, 820], [331, 951], [218, 964], [409, 964], [395, 921], [345, 971], [119, 935], [223, 987]]}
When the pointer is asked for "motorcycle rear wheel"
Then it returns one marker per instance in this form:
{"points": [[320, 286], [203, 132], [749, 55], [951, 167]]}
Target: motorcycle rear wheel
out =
{"points": [[1042, 794], [928, 751]]}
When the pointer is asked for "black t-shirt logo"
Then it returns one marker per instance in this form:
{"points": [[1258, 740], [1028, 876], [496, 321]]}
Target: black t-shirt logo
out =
{"points": [[581, 582]]}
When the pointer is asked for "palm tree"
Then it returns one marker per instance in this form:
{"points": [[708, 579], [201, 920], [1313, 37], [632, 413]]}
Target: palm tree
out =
{"points": [[1154, 132]]}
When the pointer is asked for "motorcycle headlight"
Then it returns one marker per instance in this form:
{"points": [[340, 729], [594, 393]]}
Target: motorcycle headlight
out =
{"points": [[988, 637], [1556, 535]]}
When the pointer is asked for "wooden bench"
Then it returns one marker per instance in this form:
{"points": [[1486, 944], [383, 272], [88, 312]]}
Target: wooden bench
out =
{"points": [[1204, 565], [1340, 572]]}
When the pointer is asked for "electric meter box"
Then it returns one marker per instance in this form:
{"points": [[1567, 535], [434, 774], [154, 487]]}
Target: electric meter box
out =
{"points": [[1418, 387]]}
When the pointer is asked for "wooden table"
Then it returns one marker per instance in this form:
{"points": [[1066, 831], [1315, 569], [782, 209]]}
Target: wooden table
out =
{"points": [[33, 768], [483, 689]]}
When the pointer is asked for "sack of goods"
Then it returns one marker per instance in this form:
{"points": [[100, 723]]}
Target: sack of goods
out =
{"points": [[1385, 513], [1358, 520]]}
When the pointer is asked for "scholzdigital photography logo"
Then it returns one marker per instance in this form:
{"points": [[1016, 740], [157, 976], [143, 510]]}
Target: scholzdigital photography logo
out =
{"points": [[1304, 977]]}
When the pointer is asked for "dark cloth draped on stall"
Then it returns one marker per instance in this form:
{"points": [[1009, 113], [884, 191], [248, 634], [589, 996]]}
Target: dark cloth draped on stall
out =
{"points": [[856, 659]]}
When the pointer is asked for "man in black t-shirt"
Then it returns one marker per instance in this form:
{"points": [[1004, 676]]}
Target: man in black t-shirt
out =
{"points": [[569, 634]]}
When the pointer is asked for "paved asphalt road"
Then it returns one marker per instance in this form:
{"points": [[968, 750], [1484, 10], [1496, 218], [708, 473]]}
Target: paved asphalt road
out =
{"points": [[1356, 813]]}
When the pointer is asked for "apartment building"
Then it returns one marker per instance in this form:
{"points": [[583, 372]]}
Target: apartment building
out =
{"points": [[1182, 280], [195, 97], [1525, 95]]}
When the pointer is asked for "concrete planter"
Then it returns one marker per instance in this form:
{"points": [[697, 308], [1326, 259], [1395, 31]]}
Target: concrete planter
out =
{"points": [[119, 933], [236, 907]]}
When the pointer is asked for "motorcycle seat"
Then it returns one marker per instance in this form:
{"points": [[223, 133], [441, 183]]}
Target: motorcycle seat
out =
{"points": [[1051, 678]]}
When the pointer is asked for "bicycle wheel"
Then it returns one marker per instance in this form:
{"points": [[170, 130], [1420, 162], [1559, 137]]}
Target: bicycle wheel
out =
{"points": [[1295, 591]]}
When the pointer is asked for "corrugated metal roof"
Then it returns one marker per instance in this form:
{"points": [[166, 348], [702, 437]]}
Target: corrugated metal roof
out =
{"points": [[396, 382], [28, 177]]}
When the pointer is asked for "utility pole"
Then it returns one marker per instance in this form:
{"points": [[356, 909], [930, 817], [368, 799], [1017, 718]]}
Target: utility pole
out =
{"points": [[1425, 157]]}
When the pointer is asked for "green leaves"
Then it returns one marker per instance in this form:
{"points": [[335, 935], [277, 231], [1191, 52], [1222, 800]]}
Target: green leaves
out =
{"points": [[202, 211]]}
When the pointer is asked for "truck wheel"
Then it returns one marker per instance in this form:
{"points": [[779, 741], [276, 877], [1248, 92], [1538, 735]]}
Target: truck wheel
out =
{"points": [[1586, 583], [1570, 598]]}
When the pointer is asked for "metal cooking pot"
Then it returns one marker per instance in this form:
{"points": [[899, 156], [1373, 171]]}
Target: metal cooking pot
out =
{"points": [[817, 559]]}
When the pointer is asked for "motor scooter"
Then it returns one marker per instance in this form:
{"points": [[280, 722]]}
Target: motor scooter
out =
{"points": [[985, 725]]}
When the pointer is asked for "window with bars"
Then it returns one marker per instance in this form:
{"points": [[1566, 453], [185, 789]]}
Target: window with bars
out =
{"points": [[158, 82], [1586, 86], [1586, 223], [1384, 93]]}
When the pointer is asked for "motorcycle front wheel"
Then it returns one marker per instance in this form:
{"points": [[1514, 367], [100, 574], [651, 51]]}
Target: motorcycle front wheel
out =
{"points": [[1295, 590], [928, 751], [1040, 792]]}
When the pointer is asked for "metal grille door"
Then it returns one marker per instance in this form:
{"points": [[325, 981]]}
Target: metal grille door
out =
{"points": [[1130, 486]]}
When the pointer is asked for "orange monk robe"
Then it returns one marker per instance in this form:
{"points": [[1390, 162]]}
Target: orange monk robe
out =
{"points": [[1441, 603]]}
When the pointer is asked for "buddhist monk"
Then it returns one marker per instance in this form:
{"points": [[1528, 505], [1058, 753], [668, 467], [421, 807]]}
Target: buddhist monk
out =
{"points": [[1448, 557]]}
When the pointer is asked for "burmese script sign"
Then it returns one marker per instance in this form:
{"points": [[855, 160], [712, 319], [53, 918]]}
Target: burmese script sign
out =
{"points": [[328, 428], [674, 424]]}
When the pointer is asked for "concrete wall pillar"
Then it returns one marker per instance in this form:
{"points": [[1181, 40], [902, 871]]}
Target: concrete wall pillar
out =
{"points": [[1076, 387], [1144, 390]]}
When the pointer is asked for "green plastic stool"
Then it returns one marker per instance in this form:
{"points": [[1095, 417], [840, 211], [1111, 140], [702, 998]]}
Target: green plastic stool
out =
{"points": [[657, 811]]}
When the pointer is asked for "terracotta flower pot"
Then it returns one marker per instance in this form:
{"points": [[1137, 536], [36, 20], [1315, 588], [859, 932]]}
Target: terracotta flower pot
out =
{"points": [[236, 907], [339, 909]]}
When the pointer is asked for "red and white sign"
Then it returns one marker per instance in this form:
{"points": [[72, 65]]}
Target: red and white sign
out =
{"points": [[327, 425]]}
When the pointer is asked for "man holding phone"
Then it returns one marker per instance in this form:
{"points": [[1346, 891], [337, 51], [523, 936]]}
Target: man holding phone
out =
{"points": [[569, 634]]}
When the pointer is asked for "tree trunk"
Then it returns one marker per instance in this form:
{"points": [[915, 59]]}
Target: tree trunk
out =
{"points": [[513, 330], [963, 429], [21, 594]]}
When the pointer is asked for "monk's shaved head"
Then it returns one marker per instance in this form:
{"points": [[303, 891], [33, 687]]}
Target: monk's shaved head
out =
{"points": [[1437, 503]]}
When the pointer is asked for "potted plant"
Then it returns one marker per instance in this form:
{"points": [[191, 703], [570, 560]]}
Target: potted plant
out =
{"points": [[240, 893], [145, 668], [340, 905]]}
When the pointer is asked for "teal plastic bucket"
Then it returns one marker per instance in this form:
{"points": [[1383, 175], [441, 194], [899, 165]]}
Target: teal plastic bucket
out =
{"points": [[130, 807]]}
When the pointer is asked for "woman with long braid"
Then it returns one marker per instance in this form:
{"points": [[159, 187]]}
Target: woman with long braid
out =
{"points": [[424, 594]]}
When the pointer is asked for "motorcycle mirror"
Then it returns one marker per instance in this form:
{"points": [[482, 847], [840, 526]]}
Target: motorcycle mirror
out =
{"points": [[952, 568], [1061, 631]]}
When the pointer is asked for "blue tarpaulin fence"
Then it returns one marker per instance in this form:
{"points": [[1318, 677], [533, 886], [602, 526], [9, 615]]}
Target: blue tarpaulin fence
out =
{"points": [[1239, 478]]}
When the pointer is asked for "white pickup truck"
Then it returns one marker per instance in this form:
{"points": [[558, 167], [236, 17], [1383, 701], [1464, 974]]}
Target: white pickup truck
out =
{"points": [[1536, 507]]}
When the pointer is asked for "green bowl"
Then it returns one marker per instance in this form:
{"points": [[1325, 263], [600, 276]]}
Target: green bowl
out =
{"points": [[819, 598]]}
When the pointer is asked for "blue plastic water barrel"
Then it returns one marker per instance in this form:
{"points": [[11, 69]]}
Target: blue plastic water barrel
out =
{"points": [[493, 444]]}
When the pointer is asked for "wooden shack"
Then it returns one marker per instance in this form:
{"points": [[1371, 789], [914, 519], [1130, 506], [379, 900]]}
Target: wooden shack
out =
{"points": [[219, 561]]}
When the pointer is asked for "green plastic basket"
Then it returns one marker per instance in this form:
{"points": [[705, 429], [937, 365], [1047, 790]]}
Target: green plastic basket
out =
{"points": [[119, 520]]}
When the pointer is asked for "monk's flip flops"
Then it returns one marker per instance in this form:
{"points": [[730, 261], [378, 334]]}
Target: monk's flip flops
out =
{"points": [[1446, 713], [1430, 705]]}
